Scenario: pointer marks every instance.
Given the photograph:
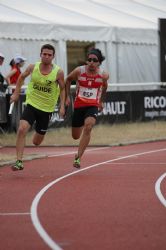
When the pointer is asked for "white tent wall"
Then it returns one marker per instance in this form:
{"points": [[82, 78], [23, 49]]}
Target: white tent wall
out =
{"points": [[125, 31], [61, 55], [125, 62], [129, 60], [136, 55], [102, 46], [28, 48], [137, 63]]}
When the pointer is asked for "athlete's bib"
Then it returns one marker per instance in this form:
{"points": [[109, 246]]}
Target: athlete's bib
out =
{"points": [[87, 93], [89, 89]]}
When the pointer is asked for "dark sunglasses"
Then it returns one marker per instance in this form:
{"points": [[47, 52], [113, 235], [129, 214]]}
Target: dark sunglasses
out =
{"points": [[92, 60]]}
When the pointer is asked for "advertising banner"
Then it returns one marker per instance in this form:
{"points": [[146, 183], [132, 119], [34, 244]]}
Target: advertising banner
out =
{"points": [[120, 106], [117, 108], [149, 105]]}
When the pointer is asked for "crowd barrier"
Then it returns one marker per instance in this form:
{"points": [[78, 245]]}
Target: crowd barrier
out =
{"points": [[120, 106]]}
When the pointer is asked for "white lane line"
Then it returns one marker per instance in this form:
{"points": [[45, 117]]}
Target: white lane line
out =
{"points": [[158, 190], [34, 207], [138, 163], [74, 152], [61, 154]]}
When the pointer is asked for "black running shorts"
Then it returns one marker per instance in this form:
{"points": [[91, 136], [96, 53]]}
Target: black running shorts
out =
{"points": [[80, 114], [41, 118]]}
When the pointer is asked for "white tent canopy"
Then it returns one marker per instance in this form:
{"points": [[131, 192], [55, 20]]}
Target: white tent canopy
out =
{"points": [[71, 17], [125, 30]]}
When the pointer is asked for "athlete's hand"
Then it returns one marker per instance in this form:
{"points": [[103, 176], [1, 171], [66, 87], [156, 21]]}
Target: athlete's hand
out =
{"points": [[67, 101], [62, 111], [14, 97], [101, 106]]}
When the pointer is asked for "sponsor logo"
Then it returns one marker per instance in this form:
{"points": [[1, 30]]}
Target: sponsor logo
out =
{"points": [[89, 83], [42, 88], [48, 82], [154, 102], [114, 108], [155, 106]]}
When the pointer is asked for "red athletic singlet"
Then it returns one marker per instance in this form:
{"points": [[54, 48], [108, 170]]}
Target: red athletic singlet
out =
{"points": [[14, 78], [88, 90]]}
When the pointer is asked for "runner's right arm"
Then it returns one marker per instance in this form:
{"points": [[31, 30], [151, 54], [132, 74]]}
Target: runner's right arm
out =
{"points": [[15, 96], [71, 77]]}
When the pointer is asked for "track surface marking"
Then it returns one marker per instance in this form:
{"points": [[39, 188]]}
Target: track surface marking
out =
{"points": [[115, 201], [34, 216]]}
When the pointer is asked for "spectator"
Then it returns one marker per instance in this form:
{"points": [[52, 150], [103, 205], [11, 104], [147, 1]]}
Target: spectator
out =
{"points": [[2, 57], [16, 63], [2, 79]]}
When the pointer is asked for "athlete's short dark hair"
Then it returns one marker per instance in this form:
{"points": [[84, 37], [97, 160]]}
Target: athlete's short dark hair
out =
{"points": [[48, 46], [98, 53]]}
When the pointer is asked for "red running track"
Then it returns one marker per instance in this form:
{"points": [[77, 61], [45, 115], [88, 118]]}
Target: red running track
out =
{"points": [[117, 201]]}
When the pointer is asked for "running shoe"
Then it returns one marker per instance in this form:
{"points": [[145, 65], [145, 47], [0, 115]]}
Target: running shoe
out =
{"points": [[76, 163], [18, 166]]}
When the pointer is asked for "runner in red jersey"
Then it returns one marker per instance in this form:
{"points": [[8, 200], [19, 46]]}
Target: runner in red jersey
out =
{"points": [[91, 86]]}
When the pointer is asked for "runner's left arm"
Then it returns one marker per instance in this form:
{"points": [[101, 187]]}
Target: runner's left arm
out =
{"points": [[61, 82], [72, 76], [104, 90]]}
